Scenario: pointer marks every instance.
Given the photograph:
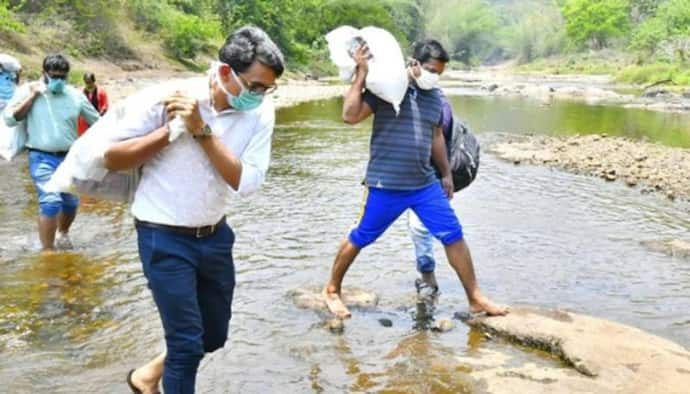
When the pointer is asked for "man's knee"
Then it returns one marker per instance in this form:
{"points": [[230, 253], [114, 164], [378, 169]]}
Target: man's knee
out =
{"points": [[184, 354], [448, 238], [360, 239]]}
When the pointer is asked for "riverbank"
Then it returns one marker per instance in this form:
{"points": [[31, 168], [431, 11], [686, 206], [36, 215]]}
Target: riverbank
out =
{"points": [[651, 168], [291, 91], [592, 89]]}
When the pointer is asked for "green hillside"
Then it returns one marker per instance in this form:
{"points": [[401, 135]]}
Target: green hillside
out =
{"points": [[639, 40]]}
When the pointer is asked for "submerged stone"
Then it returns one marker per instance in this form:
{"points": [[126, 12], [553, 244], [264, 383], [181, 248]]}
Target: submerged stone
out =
{"points": [[310, 297], [386, 322]]}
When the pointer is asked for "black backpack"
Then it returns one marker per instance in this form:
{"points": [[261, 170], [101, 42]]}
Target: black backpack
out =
{"points": [[463, 154]]}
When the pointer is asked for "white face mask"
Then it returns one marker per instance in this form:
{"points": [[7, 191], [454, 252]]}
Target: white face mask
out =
{"points": [[427, 80]]}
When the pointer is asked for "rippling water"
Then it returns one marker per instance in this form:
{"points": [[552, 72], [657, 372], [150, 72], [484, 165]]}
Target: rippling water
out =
{"points": [[78, 321]]}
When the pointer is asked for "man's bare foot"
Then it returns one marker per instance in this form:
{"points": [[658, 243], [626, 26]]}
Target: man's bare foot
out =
{"points": [[335, 304], [483, 304], [145, 384]]}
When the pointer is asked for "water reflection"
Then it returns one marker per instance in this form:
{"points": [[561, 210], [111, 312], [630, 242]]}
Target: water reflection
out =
{"points": [[563, 117], [52, 297]]}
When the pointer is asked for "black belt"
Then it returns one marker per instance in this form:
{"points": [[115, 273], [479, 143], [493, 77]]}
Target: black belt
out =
{"points": [[59, 153], [197, 232]]}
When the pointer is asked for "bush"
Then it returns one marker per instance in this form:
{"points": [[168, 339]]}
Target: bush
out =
{"points": [[147, 14], [651, 73], [185, 35], [595, 21], [8, 22], [670, 27]]}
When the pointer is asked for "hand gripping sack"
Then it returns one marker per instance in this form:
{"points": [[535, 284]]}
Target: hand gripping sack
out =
{"points": [[387, 77], [463, 155]]}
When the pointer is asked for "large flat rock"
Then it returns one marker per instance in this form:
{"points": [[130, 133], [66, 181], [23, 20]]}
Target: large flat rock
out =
{"points": [[604, 357]]}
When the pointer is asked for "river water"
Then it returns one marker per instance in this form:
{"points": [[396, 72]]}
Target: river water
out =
{"points": [[76, 322]]}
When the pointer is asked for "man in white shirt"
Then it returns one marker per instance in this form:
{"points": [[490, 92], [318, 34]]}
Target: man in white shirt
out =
{"points": [[179, 207]]}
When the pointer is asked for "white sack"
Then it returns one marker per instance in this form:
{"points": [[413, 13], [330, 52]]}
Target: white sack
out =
{"points": [[83, 170], [387, 77], [12, 139]]}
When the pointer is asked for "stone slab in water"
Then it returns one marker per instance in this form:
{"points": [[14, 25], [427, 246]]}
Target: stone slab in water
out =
{"points": [[605, 357], [671, 247], [309, 297]]}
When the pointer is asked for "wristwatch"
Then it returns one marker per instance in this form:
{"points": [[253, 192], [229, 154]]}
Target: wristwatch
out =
{"points": [[205, 132]]}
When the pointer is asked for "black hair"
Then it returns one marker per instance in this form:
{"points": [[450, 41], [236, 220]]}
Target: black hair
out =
{"points": [[55, 62], [426, 50], [89, 77], [249, 44]]}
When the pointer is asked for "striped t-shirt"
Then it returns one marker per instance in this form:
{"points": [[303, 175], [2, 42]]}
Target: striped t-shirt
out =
{"points": [[400, 148]]}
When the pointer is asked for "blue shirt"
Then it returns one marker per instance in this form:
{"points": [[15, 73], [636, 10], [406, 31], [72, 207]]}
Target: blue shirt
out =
{"points": [[51, 123], [400, 146]]}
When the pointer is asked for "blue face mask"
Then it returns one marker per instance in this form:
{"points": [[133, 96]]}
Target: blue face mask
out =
{"points": [[7, 85], [55, 85], [246, 100]]}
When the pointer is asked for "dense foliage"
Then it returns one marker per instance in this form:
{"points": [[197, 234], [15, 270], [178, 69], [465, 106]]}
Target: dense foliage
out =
{"points": [[474, 31]]}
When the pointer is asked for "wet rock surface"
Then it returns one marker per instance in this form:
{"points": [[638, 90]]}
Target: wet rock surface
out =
{"points": [[651, 167], [601, 356], [671, 247]]}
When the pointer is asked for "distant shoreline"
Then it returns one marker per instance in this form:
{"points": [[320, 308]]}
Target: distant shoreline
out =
{"points": [[593, 89], [651, 168]]}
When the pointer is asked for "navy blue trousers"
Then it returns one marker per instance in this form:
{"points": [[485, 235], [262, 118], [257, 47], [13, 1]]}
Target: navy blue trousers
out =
{"points": [[192, 281]]}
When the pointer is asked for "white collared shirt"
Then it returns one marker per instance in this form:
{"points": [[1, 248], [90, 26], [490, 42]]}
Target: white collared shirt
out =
{"points": [[179, 186]]}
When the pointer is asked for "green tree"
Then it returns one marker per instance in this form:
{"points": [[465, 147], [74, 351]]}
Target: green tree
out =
{"points": [[669, 26], [596, 21], [7, 20], [466, 27], [533, 33]]}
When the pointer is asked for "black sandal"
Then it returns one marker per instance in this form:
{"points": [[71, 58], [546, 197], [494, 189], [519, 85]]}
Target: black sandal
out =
{"points": [[131, 385]]}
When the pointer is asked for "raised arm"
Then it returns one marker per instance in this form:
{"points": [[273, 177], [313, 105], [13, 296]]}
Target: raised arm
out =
{"points": [[355, 109], [17, 110]]}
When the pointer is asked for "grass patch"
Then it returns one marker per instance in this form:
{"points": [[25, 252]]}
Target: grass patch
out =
{"points": [[604, 62], [650, 73]]}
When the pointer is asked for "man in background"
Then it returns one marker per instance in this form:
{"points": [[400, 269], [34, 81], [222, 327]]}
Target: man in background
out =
{"points": [[432, 58], [96, 95], [51, 109], [10, 72]]}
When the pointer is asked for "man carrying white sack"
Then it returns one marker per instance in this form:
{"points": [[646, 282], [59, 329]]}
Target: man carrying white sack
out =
{"points": [[50, 108], [400, 176], [185, 244]]}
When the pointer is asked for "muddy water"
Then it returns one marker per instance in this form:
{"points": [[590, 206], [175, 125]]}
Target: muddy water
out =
{"points": [[78, 321]]}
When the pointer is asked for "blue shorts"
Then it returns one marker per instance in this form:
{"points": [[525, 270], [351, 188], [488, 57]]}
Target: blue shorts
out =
{"points": [[383, 207], [42, 166]]}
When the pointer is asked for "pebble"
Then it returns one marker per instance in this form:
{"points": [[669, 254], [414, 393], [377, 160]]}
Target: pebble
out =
{"points": [[386, 322], [335, 325], [443, 325]]}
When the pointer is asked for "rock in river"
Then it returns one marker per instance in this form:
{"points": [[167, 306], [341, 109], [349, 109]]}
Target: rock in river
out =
{"points": [[309, 297], [604, 357]]}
